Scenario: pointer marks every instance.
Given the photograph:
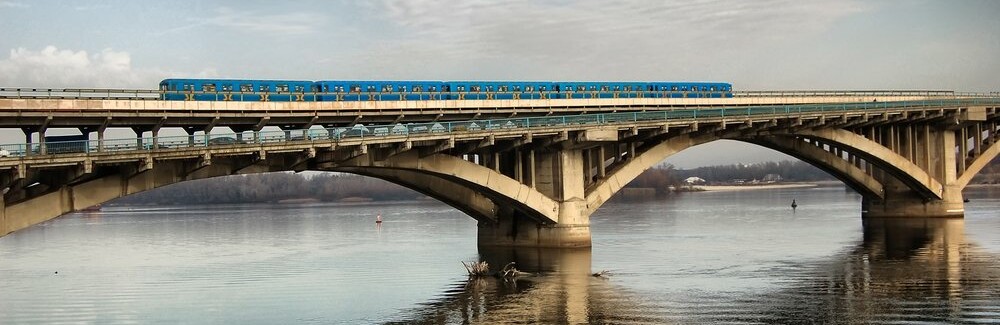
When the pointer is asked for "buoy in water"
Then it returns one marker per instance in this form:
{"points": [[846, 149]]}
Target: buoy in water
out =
{"points": [[378, 219], [794, 205]]}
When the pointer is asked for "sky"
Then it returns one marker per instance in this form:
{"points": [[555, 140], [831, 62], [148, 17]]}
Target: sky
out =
{"points": [[756, 45]]}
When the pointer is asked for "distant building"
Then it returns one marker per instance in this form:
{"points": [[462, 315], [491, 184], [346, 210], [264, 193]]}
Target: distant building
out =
{"points": [[694, 180], [772, 178]]}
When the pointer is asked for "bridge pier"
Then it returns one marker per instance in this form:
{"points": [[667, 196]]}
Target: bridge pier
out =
{"points": [[559, 174], [908, 204]]}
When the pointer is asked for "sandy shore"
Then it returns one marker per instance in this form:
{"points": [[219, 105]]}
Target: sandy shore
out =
{"points": [[716, 188]]}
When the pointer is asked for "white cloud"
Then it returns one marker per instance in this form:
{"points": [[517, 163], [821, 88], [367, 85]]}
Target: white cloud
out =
{"points": [[12, 4], [592, 38], [55, 68], [255, 23]]}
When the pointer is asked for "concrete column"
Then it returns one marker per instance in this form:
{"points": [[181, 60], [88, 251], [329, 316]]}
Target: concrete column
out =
{"points": [[963, 148], [601, 171], [27, 141], [519, 166], [977, 139], [156, 138], [559, 178], [899, 201], [531, 167]]}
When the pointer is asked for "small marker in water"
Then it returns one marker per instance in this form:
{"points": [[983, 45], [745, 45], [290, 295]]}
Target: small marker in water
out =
{"points": [[794, 205]]}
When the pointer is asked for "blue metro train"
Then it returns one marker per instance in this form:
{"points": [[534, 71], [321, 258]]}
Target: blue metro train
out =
{"points": [[347, 90]]}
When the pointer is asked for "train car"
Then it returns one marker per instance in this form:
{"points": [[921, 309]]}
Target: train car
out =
{"points": [[358, 90], [237, 90], [385, 90]]}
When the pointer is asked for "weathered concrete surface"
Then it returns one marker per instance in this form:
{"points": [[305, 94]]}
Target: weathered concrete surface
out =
{"points": [[538, 187]]}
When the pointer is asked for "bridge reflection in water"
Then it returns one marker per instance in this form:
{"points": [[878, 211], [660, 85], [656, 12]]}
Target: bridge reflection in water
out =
{"points": [[904, 270]]}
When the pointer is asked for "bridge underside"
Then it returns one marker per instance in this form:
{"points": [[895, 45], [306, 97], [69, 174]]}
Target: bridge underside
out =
{"points": [[539, 187]]}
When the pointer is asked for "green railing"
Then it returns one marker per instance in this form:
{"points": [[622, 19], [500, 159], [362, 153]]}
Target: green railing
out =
{"points": [[525, 123]]}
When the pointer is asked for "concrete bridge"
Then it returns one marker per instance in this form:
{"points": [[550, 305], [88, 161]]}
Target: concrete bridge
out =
{"points": [[531, 172]]}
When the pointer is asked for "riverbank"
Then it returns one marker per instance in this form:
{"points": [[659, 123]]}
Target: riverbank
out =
{"points": [[728, 188]]}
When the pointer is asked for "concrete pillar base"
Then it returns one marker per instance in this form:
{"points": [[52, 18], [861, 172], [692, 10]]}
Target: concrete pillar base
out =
{"points": [[912, 208], [528, 234]]}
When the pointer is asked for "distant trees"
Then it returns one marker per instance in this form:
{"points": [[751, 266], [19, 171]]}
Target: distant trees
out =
{"points": [[791, 171]]}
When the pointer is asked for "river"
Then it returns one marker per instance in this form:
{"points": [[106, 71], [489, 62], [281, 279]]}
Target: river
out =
{"points": [[711, 257]]}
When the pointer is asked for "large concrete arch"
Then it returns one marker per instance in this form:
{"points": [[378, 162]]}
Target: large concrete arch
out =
{"points": [[489, 182], [100, 189], [470, 201], [843, 170], [978, 164], [898, 166], [605, 188], [826, 161]]}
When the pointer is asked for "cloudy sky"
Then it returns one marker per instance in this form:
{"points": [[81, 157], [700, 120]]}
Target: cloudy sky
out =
{"points": [[756, 45]]}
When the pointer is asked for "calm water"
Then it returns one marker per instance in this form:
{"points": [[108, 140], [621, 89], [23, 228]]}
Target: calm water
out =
{"points": [[723, 257]]}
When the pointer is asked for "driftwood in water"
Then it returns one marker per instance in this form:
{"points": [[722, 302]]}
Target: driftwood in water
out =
{"points": [[483, 268], [477, 268], [602, 274], [509, 272]]}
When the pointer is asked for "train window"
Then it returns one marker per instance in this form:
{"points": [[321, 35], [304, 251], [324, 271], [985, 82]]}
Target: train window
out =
{"points": [[432, 88], [418, 89], [208, 87], [355, 88], [371, 88], [504, 88], [517, 88], [300, 89], [173, 87], [593, 88], [163, 87], [543, 88], [489, 88], [263, 88], [386, 88], [713, 88], [475, 88], [401, 89], [673, 88], [618, 88], [246, 88], [281, 88], [446, 88], [227, 87], [460, 88], [529, 88], [605, 88], [581, 88]]}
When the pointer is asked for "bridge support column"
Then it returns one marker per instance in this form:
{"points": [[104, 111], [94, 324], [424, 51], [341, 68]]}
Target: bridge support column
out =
{"points": [[558, 175], [907, 204], [902, 201]]}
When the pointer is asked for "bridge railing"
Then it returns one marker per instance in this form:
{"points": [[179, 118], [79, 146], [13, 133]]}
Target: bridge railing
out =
{"points": [[44, 93], [847, 93], [361, 131], [147, 94]]}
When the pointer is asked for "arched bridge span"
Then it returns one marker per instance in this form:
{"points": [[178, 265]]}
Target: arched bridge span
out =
{"points": [[535, 181]]}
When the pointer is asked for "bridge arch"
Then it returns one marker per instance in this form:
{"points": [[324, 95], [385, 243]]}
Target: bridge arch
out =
{"points": [[837, 167]]}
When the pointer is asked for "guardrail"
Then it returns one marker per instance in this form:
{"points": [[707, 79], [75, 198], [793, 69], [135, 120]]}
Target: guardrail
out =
{"points": [[146, 94], [375, 131]]}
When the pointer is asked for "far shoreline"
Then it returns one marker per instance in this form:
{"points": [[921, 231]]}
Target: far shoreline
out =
{"points": [[731, 188]]}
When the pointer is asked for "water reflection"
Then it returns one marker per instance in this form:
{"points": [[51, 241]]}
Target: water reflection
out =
{"points": [[904, 271], [560, 290]]}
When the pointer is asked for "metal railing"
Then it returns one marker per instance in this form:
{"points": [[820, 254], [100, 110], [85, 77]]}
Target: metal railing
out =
{"points": [[146, 94], [526, 123]]}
